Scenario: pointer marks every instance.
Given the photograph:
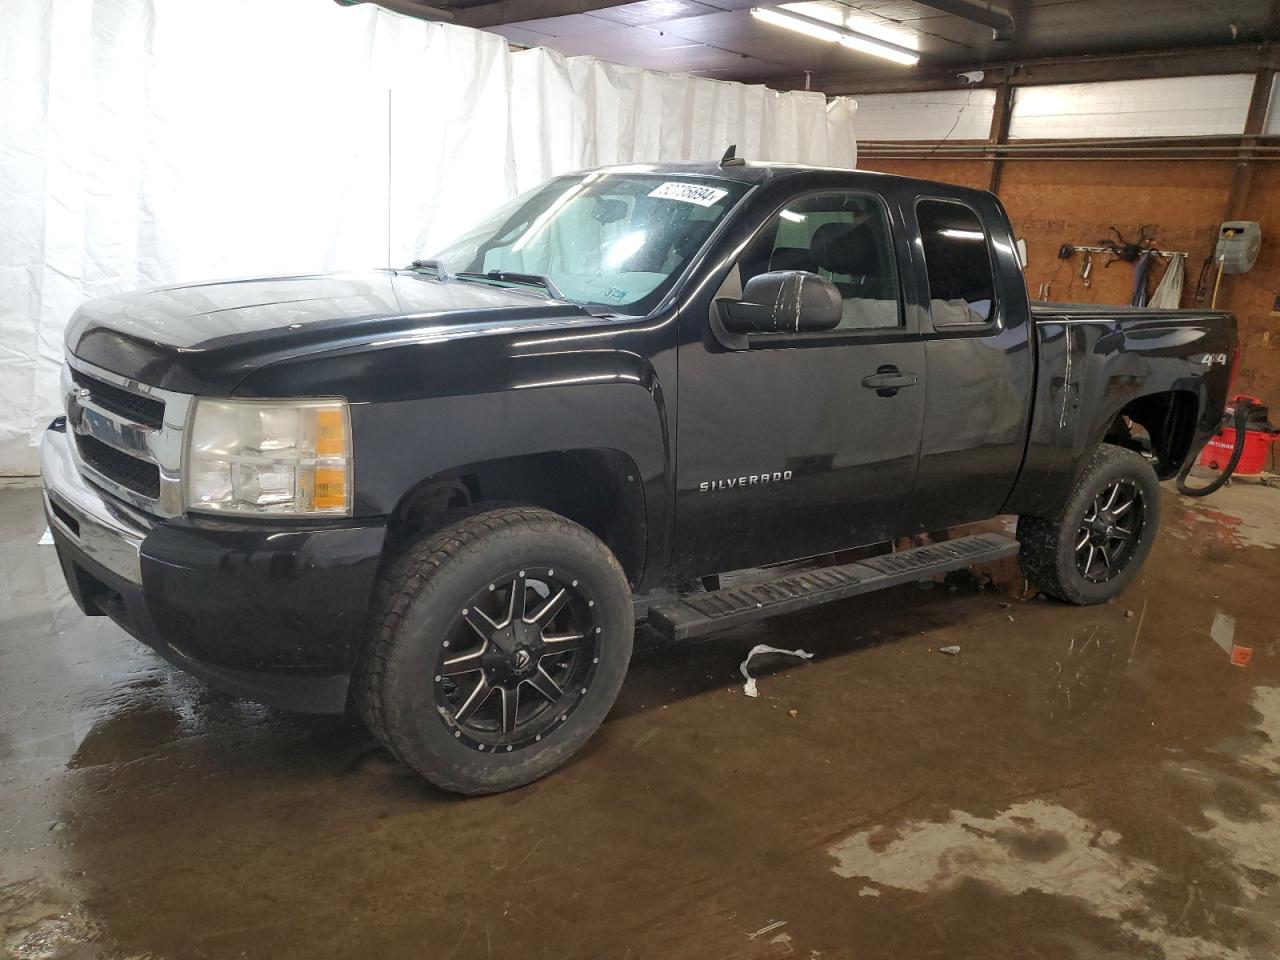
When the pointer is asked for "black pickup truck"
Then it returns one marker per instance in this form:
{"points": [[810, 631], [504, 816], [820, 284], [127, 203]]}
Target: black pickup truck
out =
{"points": [[444, 494]]}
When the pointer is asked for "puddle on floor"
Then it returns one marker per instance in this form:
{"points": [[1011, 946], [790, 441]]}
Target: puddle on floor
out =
{"points": [[1042, 847], [1030, 846], [38, 924], [1239, 515]]}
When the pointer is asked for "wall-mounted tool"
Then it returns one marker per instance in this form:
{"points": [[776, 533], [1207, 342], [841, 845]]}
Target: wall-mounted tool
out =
{"points": [[1117, 250], [1237, 251], [1129, 250], [1238, 244]]}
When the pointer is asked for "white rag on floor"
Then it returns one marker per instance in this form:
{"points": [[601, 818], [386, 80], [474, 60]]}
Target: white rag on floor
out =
{"points": [[749, 688]]}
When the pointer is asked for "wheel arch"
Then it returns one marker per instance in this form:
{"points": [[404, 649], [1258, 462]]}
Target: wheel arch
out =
{"points": [[598, 488], [1169, 418]]}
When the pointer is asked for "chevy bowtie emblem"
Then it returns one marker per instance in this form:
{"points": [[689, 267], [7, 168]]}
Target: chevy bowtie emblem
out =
{"points": [[75, 412]]}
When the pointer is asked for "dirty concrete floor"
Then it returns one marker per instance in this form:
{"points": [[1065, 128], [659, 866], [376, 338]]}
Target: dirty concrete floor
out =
{"points": [[1076, 783]]}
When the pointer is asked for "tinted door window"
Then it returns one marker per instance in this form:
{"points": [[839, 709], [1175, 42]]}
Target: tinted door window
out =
{"points": [[843, 237], [961, 289]]}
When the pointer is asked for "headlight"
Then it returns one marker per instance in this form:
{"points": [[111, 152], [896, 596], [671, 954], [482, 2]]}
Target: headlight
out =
{"points": [[269, 457]]}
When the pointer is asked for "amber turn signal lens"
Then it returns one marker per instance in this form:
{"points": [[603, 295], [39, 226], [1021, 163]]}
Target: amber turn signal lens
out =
{"points": [[330, 489]]}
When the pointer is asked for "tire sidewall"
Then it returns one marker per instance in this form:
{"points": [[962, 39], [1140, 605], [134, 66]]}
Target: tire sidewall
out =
{"points": [[424, 741], [1125, 466]]}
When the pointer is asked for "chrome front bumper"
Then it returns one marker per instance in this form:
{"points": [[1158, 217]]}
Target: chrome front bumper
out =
{"points": [[107, 533]]}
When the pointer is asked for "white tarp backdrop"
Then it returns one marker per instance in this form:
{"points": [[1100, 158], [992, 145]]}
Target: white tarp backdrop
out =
{"points": [[569, 113], [145, 142]]}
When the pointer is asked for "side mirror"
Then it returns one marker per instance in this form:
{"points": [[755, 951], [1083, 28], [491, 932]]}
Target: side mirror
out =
{"points": [[783, 301]]}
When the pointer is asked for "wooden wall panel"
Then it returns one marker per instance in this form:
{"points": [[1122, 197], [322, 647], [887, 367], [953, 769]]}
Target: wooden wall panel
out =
{"points": [[965, 173], [1052, 203]]}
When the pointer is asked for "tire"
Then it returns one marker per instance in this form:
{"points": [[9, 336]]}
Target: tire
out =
{"points": [[1082, 556], [451, 667]]}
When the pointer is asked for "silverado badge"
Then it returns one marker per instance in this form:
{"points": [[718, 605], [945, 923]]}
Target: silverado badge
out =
{"points": [[750, 480]]}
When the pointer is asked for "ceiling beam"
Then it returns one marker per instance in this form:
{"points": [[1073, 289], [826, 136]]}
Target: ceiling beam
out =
{"points": [[501, 12], [408, 7], [998, 19], [1133, 66]]}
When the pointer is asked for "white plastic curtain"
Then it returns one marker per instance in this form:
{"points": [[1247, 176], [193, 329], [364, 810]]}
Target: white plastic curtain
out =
{"points": [[145, 142], [569, 113]]}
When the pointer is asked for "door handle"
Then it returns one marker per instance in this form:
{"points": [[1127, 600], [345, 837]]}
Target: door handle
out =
{"points": [[888, 380]]}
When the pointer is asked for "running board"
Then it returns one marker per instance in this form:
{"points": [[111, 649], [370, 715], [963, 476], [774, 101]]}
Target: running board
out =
{"points": [[694, 614]]}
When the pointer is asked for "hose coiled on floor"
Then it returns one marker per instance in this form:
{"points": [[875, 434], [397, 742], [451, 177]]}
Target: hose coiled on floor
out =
{"points": [[1239, 422]]}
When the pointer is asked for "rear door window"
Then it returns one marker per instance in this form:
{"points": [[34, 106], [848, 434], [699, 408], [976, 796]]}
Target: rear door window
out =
{"points": [[957, 262]]}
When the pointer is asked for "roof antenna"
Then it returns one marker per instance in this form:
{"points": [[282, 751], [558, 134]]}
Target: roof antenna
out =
{"points": [[729, 160]]}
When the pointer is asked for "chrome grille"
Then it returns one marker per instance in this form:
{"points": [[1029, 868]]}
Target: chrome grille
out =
{"points": [[141, 477], [128, 436], [144, 410]]}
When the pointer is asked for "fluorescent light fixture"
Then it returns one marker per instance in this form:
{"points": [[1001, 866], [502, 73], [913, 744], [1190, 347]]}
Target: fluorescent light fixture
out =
{"points": [[810, 28], [792, 216], [963, 234], [832, 33], [879, 48]]}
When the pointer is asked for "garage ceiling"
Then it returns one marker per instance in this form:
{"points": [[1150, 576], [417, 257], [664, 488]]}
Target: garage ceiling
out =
{"points": [[719, 38]]}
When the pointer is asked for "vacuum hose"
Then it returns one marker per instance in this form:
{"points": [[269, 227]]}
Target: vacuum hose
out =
{"points": [[1239, 422]]}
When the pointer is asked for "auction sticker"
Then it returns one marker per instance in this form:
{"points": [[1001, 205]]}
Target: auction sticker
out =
{"points": [[688, 193]]}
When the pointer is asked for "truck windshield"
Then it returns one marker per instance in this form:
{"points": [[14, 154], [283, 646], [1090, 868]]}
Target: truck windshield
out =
{"points": [[610, 239]]}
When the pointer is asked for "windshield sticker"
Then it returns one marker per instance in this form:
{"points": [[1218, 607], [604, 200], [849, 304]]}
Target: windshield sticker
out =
{"points": [[688, 193], [616, 294]]}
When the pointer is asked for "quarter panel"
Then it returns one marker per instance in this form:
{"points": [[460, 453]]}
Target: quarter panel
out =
{"points": [[1092, 365], [527, 404]]}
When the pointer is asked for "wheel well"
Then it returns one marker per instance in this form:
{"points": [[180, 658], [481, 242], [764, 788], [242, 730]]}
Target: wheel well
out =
{"points": [[1168, 424], [599, 489]]}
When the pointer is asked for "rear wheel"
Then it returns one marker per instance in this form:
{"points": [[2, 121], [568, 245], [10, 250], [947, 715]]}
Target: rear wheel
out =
{"points": [[496, 648], [1095, 547]]}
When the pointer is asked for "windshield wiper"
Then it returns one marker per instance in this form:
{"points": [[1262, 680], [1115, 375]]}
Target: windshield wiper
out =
{"points": [[508, 276], [442, 272]]}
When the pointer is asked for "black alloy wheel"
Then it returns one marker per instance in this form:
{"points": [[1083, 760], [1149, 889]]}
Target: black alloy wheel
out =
{"points": [[1110, 531], [518, 661]]}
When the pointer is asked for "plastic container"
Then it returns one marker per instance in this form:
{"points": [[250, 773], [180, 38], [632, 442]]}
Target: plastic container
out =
{"points": [[1259, 435]]}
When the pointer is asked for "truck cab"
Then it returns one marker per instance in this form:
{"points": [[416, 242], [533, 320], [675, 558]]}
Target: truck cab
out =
{"points": [[908, 415]]}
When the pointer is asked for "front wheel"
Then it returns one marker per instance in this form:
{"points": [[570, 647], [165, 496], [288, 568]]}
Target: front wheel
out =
{"points": [[496, 647], [1095, 547]]}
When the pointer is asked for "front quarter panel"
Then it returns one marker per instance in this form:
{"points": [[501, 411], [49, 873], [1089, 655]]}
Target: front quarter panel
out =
{"points": [[423, 409]]}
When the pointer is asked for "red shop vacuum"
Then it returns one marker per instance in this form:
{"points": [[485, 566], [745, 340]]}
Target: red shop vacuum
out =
{"points": [[1240, 449]]}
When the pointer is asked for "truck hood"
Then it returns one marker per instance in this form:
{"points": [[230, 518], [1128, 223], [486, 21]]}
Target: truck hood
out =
{"points": [[206, 337]]}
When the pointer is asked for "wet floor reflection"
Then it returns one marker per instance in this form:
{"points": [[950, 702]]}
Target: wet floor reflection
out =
{"points": [[1075, 782]]}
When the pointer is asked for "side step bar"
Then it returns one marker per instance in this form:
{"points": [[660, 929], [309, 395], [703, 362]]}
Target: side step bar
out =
{"points": [[694, 614]]}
